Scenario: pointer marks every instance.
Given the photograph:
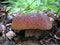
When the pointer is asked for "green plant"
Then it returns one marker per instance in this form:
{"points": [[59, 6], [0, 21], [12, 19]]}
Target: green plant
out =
{"points": [[27, 6]]}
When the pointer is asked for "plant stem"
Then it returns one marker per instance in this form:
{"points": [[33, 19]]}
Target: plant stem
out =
{"points": [[58, 11]]}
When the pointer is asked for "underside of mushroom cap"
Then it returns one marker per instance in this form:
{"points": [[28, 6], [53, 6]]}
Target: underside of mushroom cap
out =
{"points": [[31, 21]]}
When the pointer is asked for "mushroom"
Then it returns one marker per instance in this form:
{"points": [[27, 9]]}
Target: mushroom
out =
{"points": [[31, 23]]}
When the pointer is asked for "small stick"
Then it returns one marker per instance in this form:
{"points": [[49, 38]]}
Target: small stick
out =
{"points": [[8, 24]]}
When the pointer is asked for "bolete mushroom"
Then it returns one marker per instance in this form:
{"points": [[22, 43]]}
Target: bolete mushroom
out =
{"points": [[32, 23]]}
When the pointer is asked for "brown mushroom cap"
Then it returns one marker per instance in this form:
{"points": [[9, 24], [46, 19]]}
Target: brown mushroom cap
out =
{"points": [[31, 21]]}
